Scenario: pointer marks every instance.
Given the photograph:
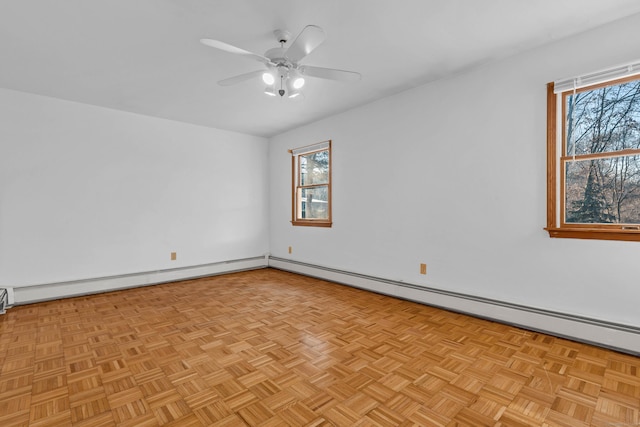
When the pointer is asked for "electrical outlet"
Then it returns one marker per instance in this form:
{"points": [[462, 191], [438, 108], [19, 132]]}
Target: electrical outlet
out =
{"points": [[423, 268], [173, 256], [290, 250]]}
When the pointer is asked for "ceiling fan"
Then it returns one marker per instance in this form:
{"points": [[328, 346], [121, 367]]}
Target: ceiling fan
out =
{"points": [[284, 74]]}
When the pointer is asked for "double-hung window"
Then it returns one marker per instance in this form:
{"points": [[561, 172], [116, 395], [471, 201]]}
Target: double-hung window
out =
{"points": [[311, 185], [593, 158]]}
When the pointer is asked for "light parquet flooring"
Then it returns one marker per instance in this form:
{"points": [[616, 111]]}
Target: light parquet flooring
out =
{"points": [[270, 348]]}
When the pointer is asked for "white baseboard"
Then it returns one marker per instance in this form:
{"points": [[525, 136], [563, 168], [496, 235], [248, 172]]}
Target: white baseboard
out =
{"points": [[625, 338], [49, 291]]}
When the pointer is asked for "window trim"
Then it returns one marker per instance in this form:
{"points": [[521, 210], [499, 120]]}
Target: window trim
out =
{"points": [[556, 225], [295, 179]]}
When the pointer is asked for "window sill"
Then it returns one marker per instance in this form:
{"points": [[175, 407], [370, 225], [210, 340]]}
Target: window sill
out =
{"points": [[594, 233], [312, 223]]}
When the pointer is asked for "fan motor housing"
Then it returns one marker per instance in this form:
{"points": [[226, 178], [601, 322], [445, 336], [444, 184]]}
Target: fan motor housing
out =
{"points": [[276, 55]]}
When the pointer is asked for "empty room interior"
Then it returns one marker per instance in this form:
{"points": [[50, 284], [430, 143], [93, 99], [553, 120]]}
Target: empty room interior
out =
{"points": [[319, 213]]}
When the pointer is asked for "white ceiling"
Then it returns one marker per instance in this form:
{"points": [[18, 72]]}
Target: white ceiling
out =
{"points": [[143, 56]]}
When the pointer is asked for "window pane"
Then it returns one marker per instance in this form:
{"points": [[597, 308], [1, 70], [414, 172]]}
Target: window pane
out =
{"points": [[604, 119], [314, 168], [601, 191], [313, 203]]}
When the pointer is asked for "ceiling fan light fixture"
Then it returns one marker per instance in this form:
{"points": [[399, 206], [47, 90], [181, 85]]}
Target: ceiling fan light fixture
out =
{"points": [[268, 78], [270, 90], [296, 79], [298, 82], [293, 90]]}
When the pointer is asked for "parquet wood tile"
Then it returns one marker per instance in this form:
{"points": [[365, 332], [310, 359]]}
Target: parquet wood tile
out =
{"points": [[269, 348]]}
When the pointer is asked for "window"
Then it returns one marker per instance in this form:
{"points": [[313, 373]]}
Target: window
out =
{"points": [[311, 172], [593, 157]]}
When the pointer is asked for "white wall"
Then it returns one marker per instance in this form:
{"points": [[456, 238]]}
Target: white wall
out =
{"points": [[90, 192], [453, 174]]}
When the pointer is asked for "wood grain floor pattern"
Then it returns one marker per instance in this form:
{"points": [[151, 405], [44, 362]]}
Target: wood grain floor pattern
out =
{"points": [[270, 348]]}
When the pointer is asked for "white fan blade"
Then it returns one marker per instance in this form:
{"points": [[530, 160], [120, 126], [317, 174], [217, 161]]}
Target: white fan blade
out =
{"points": [[217, 44], [309, 38], [330, 73], [242, 77]]}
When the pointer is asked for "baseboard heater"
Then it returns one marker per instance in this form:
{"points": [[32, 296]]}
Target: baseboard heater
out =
{"points": [[28, 294], [4, 300], [616, 336]]}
